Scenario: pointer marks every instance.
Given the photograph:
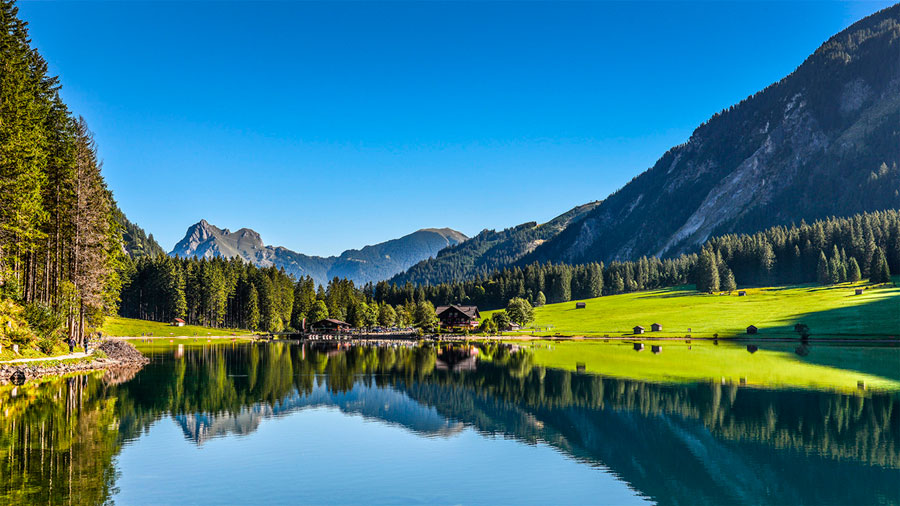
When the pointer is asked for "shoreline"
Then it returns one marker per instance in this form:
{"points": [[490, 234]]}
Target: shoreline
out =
{"points": [[123, 355]]}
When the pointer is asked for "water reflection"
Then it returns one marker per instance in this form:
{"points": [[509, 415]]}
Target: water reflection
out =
{"points": [[701, 443]]}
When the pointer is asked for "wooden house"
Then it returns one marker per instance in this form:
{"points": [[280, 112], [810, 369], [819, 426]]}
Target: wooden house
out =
{"points": [[178, 322], [580, 305], [752, 329], [656, 327], [859, 291], [331, 325], [741, 293], [638, 329], [655, 348], [638, 346], [752, 348], [458, 317]]}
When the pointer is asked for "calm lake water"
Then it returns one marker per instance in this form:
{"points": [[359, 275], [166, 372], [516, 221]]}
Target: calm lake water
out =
{"points": [[287, 424]]}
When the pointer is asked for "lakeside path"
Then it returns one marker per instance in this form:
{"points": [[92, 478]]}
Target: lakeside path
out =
{"points": [[44, 359]]}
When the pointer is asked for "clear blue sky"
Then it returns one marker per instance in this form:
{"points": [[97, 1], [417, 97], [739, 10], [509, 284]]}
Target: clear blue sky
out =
{"points": [[326, 126]]}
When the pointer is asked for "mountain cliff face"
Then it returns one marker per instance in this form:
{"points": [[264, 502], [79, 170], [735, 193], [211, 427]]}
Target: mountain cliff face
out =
{"points": [[823, 141], [371, 263], [489, 250]]}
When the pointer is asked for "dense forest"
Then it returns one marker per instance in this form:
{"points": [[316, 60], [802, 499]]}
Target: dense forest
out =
{"points": [[60, 246], [233, 293]]}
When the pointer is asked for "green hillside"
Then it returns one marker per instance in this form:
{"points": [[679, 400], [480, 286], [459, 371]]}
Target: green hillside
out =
{"points": [[832, 312]]}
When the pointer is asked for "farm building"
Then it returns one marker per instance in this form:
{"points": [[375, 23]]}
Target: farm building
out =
{"points": [[458, 317], [178, 322], [859, 291], [330, 325], [752, 329], [638, 346], [580, 305], [638, 329], [741, 293], [657, 349], [656, 327]]}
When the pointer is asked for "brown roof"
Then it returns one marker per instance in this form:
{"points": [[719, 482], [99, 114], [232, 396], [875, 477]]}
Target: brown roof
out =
{"points": [[332, 321], [470, 311]]}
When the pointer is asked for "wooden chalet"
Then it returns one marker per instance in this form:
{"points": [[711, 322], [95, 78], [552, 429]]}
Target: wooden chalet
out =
{"points": [[458, 317], [330, 325], [178, 322]]}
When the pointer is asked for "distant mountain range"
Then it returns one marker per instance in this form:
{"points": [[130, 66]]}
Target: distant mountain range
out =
{"points": [[371, 263], [823, 141], [489, 250]]}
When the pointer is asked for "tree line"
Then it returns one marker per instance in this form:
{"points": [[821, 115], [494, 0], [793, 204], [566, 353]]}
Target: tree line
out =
{"points": [[863, 246], [60, 246]]}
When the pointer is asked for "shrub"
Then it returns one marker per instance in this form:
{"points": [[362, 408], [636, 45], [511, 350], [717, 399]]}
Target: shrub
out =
{"points": [[46, 344]]}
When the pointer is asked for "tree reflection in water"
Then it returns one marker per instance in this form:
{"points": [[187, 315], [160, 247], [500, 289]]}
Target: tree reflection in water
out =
{"points": [[676, 443]]}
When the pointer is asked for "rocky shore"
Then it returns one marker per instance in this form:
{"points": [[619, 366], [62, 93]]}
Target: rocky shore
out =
{"points": [[119, 355]]}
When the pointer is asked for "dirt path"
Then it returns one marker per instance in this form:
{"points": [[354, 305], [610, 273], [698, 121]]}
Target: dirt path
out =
{"points": [[44, 359]]}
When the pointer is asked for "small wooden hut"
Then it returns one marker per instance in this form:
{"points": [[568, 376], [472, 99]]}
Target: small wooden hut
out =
{"points": [[580, 305], [741, 293], [752, 329], [657, 349], [859, 291], [638, 346], [656, 327], [638, 329]]}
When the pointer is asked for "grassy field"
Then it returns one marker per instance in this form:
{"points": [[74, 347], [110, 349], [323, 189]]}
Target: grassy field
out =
{"points": [[831, 312], [129, 327], [770, 367]]}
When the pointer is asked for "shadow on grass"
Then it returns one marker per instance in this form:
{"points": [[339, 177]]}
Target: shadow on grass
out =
{"points": [[877, 358]]}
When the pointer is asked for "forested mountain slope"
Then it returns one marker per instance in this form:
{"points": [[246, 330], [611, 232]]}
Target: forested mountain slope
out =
{"points": [[489, 250], [823, 141], [371, 263], [135, 240]]}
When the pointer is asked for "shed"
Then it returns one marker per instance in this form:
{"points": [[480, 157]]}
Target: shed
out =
{"points": [[741, 293], [655, 327], [178, 322], [638, 329], [859, 291], [331, 325], [580, 305], [656, 349], [638, 346], [752, 348], [752, 329]]}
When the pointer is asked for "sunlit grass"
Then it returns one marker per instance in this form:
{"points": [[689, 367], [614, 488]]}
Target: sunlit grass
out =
{"points": [[130, 327], [828, 311]]}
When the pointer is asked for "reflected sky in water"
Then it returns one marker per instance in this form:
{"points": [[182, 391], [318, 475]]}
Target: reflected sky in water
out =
{"points": [[276, 423]]}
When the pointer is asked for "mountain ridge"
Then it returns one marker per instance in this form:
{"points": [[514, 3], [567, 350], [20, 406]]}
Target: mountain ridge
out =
{"points": [[369, 263], [822, 141]]}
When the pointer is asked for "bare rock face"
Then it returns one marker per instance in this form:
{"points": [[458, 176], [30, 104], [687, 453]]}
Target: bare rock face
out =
{"points": [[821, 142], [371, 263]]}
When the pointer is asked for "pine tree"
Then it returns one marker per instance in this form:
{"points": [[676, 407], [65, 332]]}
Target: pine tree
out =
{"points": [[881, 272]]}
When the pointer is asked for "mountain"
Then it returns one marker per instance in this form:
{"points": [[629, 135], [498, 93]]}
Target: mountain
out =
{"points": [[371, 263], [823, 141], [135, 240], [489, 250]]}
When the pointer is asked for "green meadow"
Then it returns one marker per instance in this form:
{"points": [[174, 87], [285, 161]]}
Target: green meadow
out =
{"points": [[129, 327], [829, 311], [826, 367]]}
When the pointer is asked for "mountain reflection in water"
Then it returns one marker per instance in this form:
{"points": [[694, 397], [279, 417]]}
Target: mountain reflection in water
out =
{"points": [[699, 443]]}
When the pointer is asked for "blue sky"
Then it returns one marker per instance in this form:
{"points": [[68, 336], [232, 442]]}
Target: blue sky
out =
{"points": [[327, 126]]}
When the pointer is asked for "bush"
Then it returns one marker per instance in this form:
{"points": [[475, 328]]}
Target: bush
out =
{"points": [[46, 344], [45, 322], [98, 353]]}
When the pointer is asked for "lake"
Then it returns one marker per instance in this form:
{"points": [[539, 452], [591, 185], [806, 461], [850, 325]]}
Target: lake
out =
{"points": [[532, 423]]}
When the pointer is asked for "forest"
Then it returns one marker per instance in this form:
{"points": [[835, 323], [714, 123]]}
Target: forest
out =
{"points": [[60, 246], [232, 293]]}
